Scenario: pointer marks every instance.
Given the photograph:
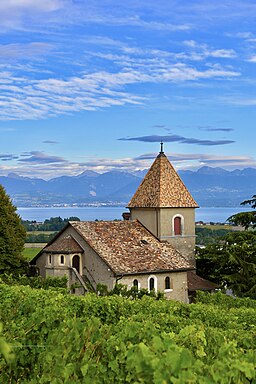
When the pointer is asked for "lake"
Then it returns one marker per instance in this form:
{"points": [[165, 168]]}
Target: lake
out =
{"points": [[205, 214]]}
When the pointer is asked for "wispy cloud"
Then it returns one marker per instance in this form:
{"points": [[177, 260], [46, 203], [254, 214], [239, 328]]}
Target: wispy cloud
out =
{"points": [[196, 160], [24, 51], [176, 138], [213, 129], [252, 59], [50, 142], [36, 157], [47, 166], [26, 98], [242, 101], [15, 13], [8, 157]]}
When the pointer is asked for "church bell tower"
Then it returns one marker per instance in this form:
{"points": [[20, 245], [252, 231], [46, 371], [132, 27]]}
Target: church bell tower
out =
{"points": [[163, 204]]}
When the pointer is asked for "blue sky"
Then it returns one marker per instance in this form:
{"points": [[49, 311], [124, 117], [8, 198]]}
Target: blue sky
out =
{"points": [[97, 85]]}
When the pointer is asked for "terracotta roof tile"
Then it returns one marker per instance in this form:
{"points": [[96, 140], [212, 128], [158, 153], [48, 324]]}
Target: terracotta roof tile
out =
{"points": [[64, 245], [196, 282], [128, 247], [162, 187]]}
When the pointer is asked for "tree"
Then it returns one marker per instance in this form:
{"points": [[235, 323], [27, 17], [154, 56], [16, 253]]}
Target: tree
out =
{"points": [[245, 219], [232, 263], [12, 236]]}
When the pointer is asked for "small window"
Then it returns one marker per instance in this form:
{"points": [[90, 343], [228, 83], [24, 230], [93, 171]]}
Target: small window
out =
{"points": [[61, 259], [50, 259], [135, 283], [167, 283], [151, 283], [177, 226]]}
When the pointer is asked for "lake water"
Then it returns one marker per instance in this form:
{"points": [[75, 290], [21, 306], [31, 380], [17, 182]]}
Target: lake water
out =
{"points": [[205, 214]]}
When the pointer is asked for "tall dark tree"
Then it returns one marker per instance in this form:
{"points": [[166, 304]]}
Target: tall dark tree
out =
{"points": [[245, 219], [232, 262], [12, 236]]}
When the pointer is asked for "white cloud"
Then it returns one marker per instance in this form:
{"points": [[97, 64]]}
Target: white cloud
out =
{"points": [[201, 51], [252, 59], [28, 5], [34, 49], [25, 98], [38, 164], [223, 53]]}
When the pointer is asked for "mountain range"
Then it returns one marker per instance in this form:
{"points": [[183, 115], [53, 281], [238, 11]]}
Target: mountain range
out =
{"points": [[209, 186]]}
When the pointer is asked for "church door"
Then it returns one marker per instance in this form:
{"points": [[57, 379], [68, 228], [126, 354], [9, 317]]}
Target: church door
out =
{"points": [[76, 263]]}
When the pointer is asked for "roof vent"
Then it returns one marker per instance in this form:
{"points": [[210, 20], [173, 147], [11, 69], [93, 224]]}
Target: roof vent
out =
{"points": [[144, 241]]}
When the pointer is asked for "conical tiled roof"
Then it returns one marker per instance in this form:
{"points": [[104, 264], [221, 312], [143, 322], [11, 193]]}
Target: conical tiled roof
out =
{"points": [[162, 187]]}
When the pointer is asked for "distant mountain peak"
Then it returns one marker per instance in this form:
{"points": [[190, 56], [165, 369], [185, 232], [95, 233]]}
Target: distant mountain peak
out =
{"points": [[205, 170], [14, 175], [88, 173]]}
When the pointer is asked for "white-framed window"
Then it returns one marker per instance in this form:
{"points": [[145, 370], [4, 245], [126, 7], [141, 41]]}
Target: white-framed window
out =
{"points": [[168, 284], [152, 283], [62, 259], [177, 225]]}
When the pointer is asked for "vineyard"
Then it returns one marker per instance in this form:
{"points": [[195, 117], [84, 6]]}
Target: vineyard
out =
{"points": [[48, 336]]}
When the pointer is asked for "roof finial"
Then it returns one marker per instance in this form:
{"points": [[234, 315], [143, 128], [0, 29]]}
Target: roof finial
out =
{"points": [[162, 148]]}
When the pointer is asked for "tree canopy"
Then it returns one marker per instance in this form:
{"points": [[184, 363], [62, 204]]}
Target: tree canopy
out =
{"points": [[232, 262], [12, 236], [245, 219]]}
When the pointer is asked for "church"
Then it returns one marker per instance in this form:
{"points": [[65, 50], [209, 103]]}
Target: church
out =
{"points": [[152, 248]]}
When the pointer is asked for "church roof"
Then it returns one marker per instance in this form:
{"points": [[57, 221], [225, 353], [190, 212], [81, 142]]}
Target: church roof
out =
{"points": [[162, 187], [127, 247], [196, 283], [64, 245]]}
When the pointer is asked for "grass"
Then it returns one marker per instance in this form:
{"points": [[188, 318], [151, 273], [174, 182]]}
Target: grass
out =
{"points": [[29, 253]]}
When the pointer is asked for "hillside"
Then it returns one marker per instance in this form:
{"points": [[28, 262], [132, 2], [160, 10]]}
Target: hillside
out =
{"points": [[209, 186]]}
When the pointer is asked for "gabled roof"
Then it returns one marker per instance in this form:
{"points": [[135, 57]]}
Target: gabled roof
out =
{"points": [[127, 247], [64, 245], [162, 187]]}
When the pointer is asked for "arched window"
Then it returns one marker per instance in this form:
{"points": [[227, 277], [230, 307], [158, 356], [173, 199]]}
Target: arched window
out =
{"points": [[135, 283], [177, 226], [152, 283], [61, 259], [167, 283]]}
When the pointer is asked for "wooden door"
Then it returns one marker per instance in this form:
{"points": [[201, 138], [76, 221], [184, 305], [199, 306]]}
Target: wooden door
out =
{"points": [[76, 263]]}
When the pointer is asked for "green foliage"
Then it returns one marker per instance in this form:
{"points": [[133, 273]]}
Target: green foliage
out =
{"points": [[52, 224], [5, 349], [205, 236], [245, 219], [39, 237], [60, 338], [122, 290], [231, 264], [35, 282], [12, 236]]}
